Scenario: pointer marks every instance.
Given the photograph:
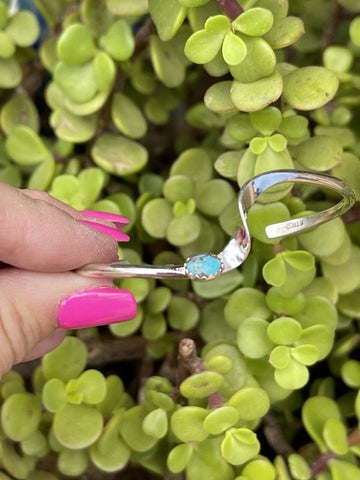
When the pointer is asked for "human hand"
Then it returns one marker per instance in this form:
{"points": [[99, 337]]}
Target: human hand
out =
{"points": [[41, 241]]}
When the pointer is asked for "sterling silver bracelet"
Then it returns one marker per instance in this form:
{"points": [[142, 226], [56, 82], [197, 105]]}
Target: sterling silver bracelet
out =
{"points": [[207, 266]]}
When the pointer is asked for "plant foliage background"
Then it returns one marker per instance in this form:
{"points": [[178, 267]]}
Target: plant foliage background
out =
{"points": [[160, 111]]}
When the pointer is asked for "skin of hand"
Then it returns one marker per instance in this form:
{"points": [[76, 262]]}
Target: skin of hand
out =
{"points": [[41, 241]]}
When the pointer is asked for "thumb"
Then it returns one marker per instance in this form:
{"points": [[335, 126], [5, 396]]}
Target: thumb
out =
{"points": [[33, 306], [41, 234]]}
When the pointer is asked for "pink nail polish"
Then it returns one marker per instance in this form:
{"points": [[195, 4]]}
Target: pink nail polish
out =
{"points": [[112, 217], [94, 307], [113, 232]]}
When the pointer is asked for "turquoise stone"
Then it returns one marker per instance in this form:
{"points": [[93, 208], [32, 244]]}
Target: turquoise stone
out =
{"points": [[203, 266]]}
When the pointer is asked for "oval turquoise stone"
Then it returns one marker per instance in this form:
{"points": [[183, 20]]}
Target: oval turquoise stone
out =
{"points": [[203, 266]]}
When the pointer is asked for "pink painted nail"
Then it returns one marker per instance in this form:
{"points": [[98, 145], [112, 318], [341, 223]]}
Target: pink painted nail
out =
{"points": [[113, 232], [94, 307], [112, 217]]}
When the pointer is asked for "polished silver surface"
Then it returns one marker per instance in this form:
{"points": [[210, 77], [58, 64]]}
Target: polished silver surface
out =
{"points": [[238, 248]]}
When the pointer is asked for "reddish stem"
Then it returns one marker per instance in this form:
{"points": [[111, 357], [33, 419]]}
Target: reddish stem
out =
{"points": [[231, 8]]}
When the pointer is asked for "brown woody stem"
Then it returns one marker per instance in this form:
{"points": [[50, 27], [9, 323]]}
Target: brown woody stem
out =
{"points": [[193, 364]]}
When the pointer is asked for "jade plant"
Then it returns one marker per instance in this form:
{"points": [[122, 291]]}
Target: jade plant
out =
{"points": [[160, 111]]}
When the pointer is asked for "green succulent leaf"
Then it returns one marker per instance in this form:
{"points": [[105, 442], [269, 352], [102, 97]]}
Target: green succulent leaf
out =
{"points": [[179, 457], [54, 394], [203, 46], [201, 385], [285, 32], [20, 416], [239, 446], [308, 88], [255, 22], [76, 34], [77, 426], [253, 96], [23, 28], [187, 424], [25, 147], [127, 117], [251, 402], [220, 419], [168, 17], [233, 49], [155, 423], [66, 361], [132, 432], [128, 7], [119, 155], [119, 40], [10, 73]]}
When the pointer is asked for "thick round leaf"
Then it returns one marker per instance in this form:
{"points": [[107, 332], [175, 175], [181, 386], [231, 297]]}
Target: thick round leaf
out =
{"points": [[316, 412], [294, 376], [156, 216], [202, 46], [20, 416], [284, 330], [285, 32], [254, 22], [91, 384], [73, 128], [72, 463], [179, 457], [252, 338], [345, 277], [213, 196], [201, 385], [119, 40], [119, 155], [77, 81], [132, 431], [195, 163], [25, 147], [127, 116], [259, 61], [183, 230], [76, 34], [220, 419], [233, 49], [104, 71], [250, 97], [77, 426], [167, 16], [19, 110], [7, 45], [244, 303], [308, 88], [319, 153], [217, 97], [54, 395], [187, 424], [251, 402], [335, 436], [182, 314], [166, 62], [10, 73], [260, 216], [23, 28], [67, 361], [239, 445], [155, 423]]}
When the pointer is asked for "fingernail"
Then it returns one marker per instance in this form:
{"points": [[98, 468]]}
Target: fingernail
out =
{"points": [[112, 217], [113, 232], [98, 306]]}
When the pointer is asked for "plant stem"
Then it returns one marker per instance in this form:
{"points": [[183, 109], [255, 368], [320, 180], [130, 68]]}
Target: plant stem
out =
{"points": [[322, 462], [231, 8], [275, 437], [193, 364]]}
